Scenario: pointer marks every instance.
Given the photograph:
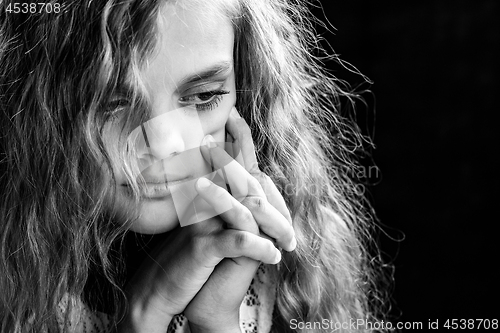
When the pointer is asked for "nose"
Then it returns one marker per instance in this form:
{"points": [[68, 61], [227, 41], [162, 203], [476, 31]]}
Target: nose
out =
{"points": [[159, 138]]}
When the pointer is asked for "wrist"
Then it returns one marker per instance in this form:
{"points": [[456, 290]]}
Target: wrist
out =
{"points": [[145, 316]]}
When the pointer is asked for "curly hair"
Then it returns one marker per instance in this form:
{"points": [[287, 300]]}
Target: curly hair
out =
{"points": [[57, 72]]}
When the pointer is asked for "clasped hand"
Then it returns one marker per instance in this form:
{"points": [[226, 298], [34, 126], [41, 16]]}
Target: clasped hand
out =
{"points": [[205, 269]]}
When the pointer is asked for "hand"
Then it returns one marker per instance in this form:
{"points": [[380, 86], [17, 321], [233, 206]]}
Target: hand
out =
{"points": [[173, 275], [216, 306], [262, 199]]}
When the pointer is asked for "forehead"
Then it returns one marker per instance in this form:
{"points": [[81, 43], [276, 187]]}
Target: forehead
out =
{"points": [[190, 38]]}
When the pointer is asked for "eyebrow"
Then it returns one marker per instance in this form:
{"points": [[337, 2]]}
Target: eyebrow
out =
{"points": [[218, 69]]}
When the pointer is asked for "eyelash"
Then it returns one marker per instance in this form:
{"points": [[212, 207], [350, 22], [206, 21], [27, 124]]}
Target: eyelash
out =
{"points": [[214, 98], [114, 108]]}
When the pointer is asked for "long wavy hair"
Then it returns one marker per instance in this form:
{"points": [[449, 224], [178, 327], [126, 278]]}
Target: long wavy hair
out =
{"points": [[57, 74]]}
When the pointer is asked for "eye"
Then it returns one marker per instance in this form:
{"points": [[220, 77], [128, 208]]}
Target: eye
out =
{"points": [[114, 108], [204, 101]]}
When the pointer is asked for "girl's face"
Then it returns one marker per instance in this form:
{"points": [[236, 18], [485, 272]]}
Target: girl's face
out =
{"points": [[191, 88]]}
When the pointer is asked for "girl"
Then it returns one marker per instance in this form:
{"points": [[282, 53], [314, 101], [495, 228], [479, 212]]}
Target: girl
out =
{"points": [[118, 117]]}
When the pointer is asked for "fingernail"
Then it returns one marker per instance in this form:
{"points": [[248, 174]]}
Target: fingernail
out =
{"points": [[294, 243], [277, 259], [235, 113], [203, 183], [209, 141]]}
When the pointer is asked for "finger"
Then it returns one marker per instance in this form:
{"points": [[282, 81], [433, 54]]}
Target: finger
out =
{"points": [[242, 135], [236, 243], [233, 149], [240, 131], [252, 214], [241, 182], [234, 175], [273, 195], [223, 202], [235, 275], [270, 221]]}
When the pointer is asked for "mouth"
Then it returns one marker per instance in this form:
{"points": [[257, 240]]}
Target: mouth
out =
{"points": [[158, 190]]}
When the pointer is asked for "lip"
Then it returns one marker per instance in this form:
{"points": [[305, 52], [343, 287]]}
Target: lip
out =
{"points": [[156, 189]]}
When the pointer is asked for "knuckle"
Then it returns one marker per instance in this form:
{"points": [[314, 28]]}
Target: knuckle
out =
{"points": [[267, 186], [254, 182], [256, 204], [263, 177], [210, 249], [202, 244], [198, 245], [247, 219], [247, 216], [265, 183], [241, 240]]}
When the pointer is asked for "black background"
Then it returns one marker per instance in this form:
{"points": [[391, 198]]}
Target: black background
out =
{"points": [[435, 71]]}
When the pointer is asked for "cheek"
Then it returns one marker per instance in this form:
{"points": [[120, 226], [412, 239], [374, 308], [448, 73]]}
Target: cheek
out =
{"points": [[215, 124], [217, 130], [114, 141], [110, 137]]}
